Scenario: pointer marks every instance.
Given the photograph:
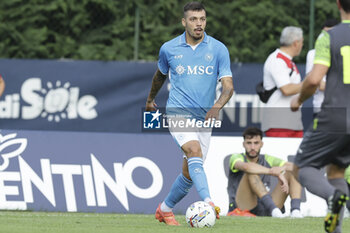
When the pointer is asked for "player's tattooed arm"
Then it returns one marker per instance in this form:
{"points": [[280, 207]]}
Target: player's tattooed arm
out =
{"points": [[226, 93], [157, 82]]}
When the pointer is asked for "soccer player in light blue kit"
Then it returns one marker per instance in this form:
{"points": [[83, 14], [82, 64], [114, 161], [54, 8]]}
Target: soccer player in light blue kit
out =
{"points": [[194, 62]]}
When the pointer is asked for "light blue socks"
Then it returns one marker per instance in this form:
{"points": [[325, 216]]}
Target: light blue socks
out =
{"points": [[178, 190], [182, 185], [197, 174]]}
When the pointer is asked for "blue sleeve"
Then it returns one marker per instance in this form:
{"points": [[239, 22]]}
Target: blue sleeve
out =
{"points": [[163, 61], [224, 63]]}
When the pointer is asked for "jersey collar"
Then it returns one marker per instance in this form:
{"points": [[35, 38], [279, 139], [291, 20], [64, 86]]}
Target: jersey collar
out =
{"points": [[183, 39], [285, 54]]}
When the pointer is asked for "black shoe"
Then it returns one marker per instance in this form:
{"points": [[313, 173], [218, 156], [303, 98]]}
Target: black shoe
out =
{"points": [[335, 204]]}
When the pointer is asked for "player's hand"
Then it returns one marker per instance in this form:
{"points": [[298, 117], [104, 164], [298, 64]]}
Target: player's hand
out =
{"points": [[295, 104], [151, 106], [284, 183], [213, 113], [276, 171]]}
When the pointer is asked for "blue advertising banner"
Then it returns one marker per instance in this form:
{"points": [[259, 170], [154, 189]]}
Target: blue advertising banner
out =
{"points": [[96, 96], [74, 95], [87, 172]]}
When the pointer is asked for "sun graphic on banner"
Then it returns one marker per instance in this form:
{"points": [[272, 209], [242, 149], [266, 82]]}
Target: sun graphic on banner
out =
{"points": [[55, 101]]}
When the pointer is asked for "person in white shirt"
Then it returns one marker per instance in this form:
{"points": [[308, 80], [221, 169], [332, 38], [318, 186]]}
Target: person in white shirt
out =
{"points": [[281, 72], [319, 94]]}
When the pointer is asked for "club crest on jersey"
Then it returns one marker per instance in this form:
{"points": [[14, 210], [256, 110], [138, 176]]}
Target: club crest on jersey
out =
{"points": [[208, 57]]}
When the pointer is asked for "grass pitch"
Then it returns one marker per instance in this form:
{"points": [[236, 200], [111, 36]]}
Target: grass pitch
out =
{"points": [[49, 222]]}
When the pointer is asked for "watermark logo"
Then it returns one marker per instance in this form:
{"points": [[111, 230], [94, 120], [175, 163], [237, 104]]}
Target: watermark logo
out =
{"points": [[177, 122], [151, 120]]}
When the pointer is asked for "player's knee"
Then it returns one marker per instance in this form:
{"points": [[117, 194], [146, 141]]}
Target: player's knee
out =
{"points": [[194, 151], [288, 175], [295, 172], [253, 179], [252, 176], [334, 171]]}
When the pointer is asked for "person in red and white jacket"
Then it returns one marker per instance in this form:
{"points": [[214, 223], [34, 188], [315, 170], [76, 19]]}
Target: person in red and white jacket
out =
{"points": [[280, 71]]}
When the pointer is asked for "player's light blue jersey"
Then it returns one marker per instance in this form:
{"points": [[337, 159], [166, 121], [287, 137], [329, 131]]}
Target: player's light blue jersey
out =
{"points": [[193, 73]]}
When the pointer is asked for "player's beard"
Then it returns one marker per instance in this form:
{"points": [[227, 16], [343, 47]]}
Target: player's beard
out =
{"points": [[252, 156], [197, 37]]}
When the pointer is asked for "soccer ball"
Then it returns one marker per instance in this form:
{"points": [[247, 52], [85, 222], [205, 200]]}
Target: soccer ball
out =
{"points": [[200, 214]]}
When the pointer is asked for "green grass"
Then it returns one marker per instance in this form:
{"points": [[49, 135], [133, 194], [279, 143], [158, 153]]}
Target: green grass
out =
{"points": [[44, 222]]}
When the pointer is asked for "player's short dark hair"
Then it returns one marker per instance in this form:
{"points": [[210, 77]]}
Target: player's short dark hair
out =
{"points": [[193, 6], [330, 23], [252, 132], [345, 4]]}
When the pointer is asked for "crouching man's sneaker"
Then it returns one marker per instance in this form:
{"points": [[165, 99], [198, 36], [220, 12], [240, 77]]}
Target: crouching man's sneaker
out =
{"points": [[296, 214], [277, 213], [335, 203], [216, 208], [239, 212], [166, 217]]}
